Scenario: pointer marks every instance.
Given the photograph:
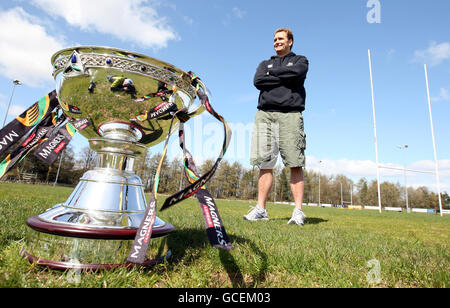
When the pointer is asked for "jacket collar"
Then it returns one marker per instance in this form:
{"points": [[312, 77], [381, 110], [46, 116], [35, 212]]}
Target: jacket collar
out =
{"points": [[290, 54]]}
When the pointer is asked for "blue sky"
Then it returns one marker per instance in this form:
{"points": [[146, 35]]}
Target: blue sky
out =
{"points": [[224, 41]]}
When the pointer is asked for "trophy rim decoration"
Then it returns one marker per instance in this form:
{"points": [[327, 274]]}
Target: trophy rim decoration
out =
{"points": [[90, 60], [183, 81]]}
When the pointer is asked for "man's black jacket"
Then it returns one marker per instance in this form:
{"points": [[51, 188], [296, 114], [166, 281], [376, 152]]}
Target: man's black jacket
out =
{"points": [[281, 82]]}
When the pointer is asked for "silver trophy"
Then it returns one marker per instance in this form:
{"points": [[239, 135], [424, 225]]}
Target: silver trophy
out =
{"points": [[128, 100]]}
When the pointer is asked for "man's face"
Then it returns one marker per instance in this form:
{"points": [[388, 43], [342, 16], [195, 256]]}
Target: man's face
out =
{"points": [[281, 44]]}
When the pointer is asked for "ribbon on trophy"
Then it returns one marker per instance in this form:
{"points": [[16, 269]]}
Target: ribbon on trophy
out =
{"points": [[198, 184], [44, 129], [27, 121], [49, 150], [38, 121], [141, 241], [37, 136], [215, 229], [213, 223], [69, 107], [162, 93], [161, 109]]}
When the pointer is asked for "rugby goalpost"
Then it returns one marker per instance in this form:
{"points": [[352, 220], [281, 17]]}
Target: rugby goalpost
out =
{"points": [[436, 172]]}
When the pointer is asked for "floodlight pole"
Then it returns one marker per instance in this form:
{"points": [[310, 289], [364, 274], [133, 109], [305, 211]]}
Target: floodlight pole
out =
{"points": [[404, 175], [15, 82], [375, 132], [434, 142], [351, 195], [59, 167], [319, 181]]}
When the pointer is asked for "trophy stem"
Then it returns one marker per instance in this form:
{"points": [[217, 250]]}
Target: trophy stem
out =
{"points": [[113, 161]]}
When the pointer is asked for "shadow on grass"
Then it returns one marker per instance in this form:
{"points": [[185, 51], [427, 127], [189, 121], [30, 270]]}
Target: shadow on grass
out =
{"points": [[314, 221], [309, 220], [191, 241]]}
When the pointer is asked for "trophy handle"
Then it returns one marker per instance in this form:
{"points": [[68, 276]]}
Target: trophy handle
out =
{"points": [[197, 111]]}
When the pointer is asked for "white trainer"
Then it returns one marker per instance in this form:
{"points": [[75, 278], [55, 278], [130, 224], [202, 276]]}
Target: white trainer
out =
{"points": [[298, 218], [256, 213]]}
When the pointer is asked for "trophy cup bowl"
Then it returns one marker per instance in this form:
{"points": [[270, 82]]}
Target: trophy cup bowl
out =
{"points": [[115, 91]]}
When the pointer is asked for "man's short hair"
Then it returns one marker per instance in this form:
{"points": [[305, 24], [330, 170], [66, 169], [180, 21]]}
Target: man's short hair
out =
{"points": [[290, 36]]}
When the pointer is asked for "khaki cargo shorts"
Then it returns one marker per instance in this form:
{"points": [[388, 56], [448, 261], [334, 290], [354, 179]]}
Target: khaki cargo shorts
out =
{"points": [[278, 132]]}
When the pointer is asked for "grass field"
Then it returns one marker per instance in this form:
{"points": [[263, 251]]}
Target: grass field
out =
{"points": [[332, 250]]}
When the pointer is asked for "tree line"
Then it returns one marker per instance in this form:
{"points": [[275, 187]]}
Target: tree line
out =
{"points": [[233, 181]]}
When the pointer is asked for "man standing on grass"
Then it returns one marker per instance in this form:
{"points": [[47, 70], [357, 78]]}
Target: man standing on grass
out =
{"points": [[279, 123]]}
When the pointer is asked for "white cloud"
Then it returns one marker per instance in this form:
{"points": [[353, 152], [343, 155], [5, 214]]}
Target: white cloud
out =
{"points": [[428, 165], [235, 13], [391, 53], [188, 20], [238, 12], [15, 110], [133, 20], [434, 55], [444, 95], [26, 48], [356, 169]]}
